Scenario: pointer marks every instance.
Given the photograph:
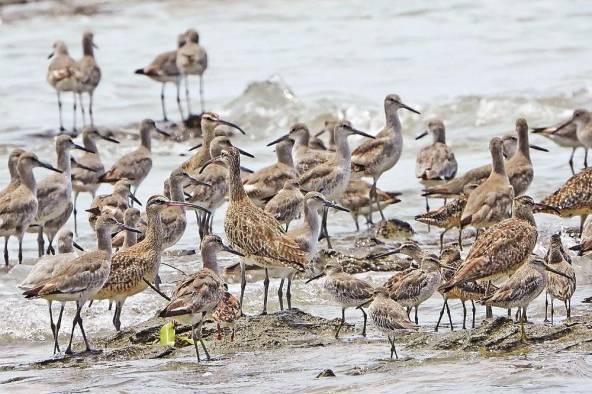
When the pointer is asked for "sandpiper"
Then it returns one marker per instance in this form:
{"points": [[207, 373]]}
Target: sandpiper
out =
{"points": [[356, 198], [62, 74], [89, 74], [131, 217], [583, 121], [118, 201], [287, 204], [13, 159], [566, 137], [226, 313], [559, 287], [192, 59]]}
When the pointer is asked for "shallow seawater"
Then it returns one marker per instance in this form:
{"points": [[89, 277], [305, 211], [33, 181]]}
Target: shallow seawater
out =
{"points": [[477, 65]]}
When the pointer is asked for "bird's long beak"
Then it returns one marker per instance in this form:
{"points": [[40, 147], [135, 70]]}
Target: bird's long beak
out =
{"points": [[364, 304], [95, 46], [134, 199], [564, 124], [408, 108], [556, 272], [196, 181], [447, 267], [320, 133], [107, 138], [94, 211], [195, 147], [545, 206], [73, 161], [385, 254], [211, 161], [77, 246], [280, 139], [48, 166], [80, 147], [245, 153], [316, 277], [160, 131], [186, 204], [358, 132], [227, 123], [536, 147], [331, 204], [50, 55], [247, 170], [228, 249], [128, 228], [423, 134]]}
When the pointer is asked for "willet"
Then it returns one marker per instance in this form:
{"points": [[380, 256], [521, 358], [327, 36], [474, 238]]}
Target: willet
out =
{"points": [[522, 288], [345, 289], [131, 217], [192, 59], [135, 268], [288, 204], [332, 177], [118, 200], [54, 193], [226, 313], [43, 270], [62, 74], [258, 235], [566, 137], [501, 249], [15, 181], [356, 198], [373, 158], [89, 74], [196, 297], [388, 316], [266, 182], [18, 207], [559, 287], [136, 165], [85, 175], [164, 69], [81, 278]]}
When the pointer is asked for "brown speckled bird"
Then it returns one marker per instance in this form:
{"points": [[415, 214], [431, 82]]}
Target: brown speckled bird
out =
{"points": [[356, 198], [287, 204], [559, 287], [118, 201], [226, 314]]}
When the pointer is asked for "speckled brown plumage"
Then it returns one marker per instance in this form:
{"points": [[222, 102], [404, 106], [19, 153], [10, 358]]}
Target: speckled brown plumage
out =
{"points": [[574, 198]]}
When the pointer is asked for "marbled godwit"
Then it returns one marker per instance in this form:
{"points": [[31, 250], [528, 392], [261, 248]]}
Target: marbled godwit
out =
{"points": [[192, 59], [85, 175], [131, 217], [522, 288], [81, 278], [388, 316], [15, 181], [54, 193], [306, 235], [62, 74], [226, 313], [18, 207], [491, 201], [164, 69], [558, 286], [43, 270], [566, 137], [212, 185], [89, 73], [135, 165], [373, 158], [574, 198], [197, 297], [266, 182], [287, 204], [501, 249], [332, 177], [345, 289], [356, 198], [118, 201], [258, 235], [133, 269]]}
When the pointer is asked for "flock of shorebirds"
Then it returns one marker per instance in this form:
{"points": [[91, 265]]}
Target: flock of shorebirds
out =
{"points": [[310, 178]]}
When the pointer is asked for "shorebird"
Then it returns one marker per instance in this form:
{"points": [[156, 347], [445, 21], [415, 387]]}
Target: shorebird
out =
{"points": [[573, 198], [287, 204], [356, 198], [373, 158], [502, 248], [332, 177], [54, 193], [226, 313], [306, 235], [258, 235], [566, 137], [388, 316], [131, 217], [15, 181], [81, 278], [89, 74], [62, 75], [211, 185], [409, 248], [43, 270], [302, 156], [117, 201], [18, 207], [134, 269], [329, 127], [192, 59], [522, 288], [164, 69], [491, 201], [585, 244], [266, 182], [136, 165], [345, 289], [583, 121], [85, 175], [196, 297], [559, 287]]}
